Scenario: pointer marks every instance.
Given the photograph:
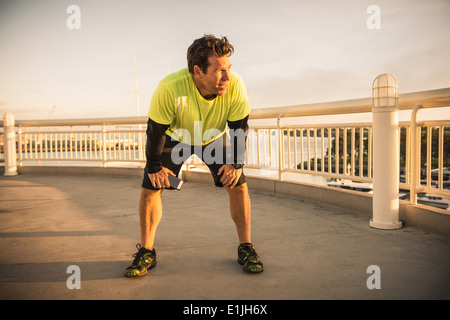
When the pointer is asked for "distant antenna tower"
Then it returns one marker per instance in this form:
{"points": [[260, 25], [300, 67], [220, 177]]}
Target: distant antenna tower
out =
{"points": [[135, 85], [51, 112]]}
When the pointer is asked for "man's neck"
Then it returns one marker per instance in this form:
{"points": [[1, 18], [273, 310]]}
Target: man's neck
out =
{"points": [[210, 97], [198, 85]]}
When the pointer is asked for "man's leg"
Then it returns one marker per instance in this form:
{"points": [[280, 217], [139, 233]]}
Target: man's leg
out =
{"points": [[150, 206], [240, 211], [150, 212], [241, 214]]}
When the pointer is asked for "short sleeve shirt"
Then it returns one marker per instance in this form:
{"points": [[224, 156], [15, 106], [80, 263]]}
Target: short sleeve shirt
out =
{"points": [[193, 119]]}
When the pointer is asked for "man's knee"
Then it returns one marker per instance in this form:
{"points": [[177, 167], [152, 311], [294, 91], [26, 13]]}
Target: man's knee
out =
{"points": [[240, 189], [148, 194]]}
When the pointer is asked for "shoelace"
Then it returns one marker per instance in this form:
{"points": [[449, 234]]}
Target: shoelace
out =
{"points": [[137, 255], [251, 252]]}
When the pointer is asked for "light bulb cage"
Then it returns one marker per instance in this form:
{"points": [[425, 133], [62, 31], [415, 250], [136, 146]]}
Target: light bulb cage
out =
{"points": [[385, 93]]}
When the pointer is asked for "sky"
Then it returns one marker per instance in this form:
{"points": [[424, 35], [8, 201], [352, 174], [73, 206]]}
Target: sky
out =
{"points": [[288, 52]]}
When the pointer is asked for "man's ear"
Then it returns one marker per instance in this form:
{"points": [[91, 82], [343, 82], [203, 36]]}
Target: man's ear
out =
{"points": [[198, 71]]}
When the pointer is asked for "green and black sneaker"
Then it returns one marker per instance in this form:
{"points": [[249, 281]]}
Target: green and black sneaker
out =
{"points": [[248, 257], [144, 260]]}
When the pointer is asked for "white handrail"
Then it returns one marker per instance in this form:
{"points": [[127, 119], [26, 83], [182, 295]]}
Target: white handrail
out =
{"points": [[407, 101]]}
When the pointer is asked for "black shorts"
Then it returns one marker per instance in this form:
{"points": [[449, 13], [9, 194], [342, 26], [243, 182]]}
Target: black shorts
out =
{"points": [[175, 153]]}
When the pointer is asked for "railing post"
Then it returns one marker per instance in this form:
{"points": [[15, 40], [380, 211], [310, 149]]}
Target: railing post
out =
{"points": [[415, 160], [9, 141], [141, 146], [385, 153], [280, 149], [20, 142], [104, 145]]}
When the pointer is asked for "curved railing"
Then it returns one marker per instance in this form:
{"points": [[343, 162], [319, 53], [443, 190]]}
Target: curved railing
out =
{"points": [[332, 151]]}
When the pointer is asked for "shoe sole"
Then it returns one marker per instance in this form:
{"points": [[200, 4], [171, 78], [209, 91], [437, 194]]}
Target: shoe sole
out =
{"points": [[241, 262], [142, 274]]}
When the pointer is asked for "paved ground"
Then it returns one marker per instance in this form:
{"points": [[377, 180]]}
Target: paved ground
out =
{"points": [[310, 250]]}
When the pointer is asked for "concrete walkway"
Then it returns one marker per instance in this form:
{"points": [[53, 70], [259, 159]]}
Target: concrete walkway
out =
{"points": [[310, 250]]}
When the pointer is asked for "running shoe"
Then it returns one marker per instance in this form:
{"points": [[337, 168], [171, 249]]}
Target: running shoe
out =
{"points": [[144, 260], [248, 257]]}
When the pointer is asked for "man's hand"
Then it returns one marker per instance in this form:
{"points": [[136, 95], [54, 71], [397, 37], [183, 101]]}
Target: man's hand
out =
{"points": [[159, 179], [230, 175]]}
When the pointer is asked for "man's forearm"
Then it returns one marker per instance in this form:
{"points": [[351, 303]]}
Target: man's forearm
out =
{"points": [[238, 139], [156, 137]]}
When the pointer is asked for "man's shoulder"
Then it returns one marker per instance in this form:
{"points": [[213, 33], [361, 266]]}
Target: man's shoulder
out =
{"points": [[236, 79], [179, 77]]}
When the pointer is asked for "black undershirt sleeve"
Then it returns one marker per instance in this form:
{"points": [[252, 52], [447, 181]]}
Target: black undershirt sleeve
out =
{"points": [[238, 134], [156, 137]]}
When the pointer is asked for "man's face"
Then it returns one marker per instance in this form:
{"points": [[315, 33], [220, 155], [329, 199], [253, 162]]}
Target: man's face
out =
{"points": [[216, 79]]}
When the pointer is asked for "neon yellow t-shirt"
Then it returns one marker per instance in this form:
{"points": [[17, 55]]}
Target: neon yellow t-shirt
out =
{"points": [[193, 119]]}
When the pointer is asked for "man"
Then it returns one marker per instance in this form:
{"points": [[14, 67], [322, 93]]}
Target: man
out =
{"points": [[189, 112]]}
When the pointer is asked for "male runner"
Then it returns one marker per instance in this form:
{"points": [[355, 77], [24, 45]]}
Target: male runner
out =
{"points": [[189, 112]]}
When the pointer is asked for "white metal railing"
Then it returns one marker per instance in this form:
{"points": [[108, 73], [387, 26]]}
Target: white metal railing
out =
{"points": [[107, 144], [82, 140], [341, 151], [314, 149], [344, 151]]}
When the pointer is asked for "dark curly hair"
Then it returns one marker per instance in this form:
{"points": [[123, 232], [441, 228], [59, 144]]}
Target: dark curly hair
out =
{"points": [[203, 48]]}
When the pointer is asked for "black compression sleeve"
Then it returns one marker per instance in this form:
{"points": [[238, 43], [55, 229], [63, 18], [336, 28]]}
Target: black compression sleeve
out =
{"points": [[238, 134], [156, 137]]}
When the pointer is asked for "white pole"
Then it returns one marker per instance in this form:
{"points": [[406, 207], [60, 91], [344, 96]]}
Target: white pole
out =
{"points": [[9, 142], [385, 153], [140, 138], [280, 148], [415, 160]]}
